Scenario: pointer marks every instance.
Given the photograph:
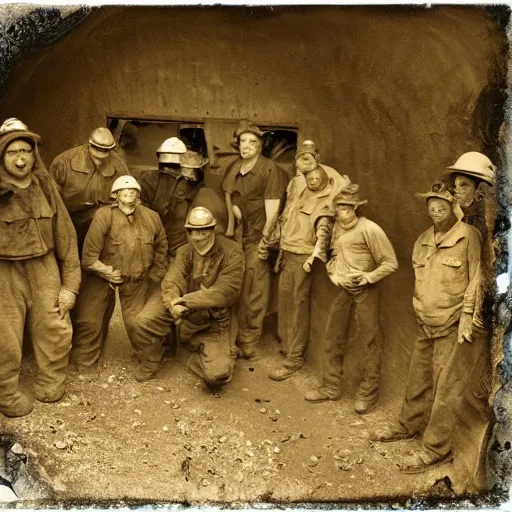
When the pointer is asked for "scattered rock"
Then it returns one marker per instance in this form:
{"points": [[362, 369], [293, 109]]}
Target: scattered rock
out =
{"points": [[160, 388], [223, 439], [61, 445], [17, 449], [165, 428], [137, 411], [276, 449], [175, 406], [313, 461], [111, 379], [263, 410], [205, 482], [245, 389], [104, 386], [277, 411], [360, 460], [167, 402], [248, 443]]}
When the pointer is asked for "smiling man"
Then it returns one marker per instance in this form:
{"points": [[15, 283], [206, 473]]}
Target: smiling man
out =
{"points": [[125, 247], [254, 185]]}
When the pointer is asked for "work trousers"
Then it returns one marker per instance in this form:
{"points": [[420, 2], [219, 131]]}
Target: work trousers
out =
{"points": [[29, 291], [93, 311], [439, 373], [363, 307], [209, 333], [293, 317], [254, 298]]}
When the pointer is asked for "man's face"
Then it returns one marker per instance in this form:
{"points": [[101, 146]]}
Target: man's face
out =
{"points": [[345, 213], [250, 145], [305, 162], [19, 159], [201, 239], [465, 189], [439, 210], [127, 197], [98, 156], [314, 180]]}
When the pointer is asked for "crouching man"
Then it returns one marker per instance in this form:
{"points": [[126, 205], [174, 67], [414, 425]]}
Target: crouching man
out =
{"points": [[446, 261], [199, 291], [125, 247]]}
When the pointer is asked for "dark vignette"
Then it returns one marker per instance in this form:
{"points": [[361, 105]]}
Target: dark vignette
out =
{"points": [[27, 29]]}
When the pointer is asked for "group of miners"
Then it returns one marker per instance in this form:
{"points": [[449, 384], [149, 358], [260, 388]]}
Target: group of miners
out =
{"points": [[71, 236]]}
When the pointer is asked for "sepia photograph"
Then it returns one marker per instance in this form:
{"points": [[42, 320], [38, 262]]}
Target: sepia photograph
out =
{"points": [[255, 256]]}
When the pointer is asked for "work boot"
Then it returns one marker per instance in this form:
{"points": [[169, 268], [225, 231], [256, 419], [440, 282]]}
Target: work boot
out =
{"points": [[20, 406], [391, 434], [49, 395], [249, 353], [365, 406], [322, 394], [143, 373], [283, 373]]}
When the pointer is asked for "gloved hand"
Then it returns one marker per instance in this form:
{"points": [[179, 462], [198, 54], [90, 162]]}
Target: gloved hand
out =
{"points": [[309, 263], [106, 272], [465, 328], [66, 301], [177, 309], [263, 250]]}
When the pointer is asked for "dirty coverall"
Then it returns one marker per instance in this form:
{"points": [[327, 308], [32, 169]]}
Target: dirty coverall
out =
{"points": [[82, 187], [364, 247], [306, 225], [135, 245], [249, 192], [210, 286], [38, 257], [446, 285]]}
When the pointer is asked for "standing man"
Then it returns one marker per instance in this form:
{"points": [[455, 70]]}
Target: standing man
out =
{"points": [[39, 271], [198, 294], [306, 225], [362, 256], [85, 175], [254, 185], [125, 247], [446, 261]]}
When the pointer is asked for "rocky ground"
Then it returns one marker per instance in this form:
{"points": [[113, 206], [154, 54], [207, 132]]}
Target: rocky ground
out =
{"points": [[171, 439]]}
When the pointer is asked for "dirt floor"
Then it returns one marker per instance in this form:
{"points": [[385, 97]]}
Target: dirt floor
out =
{"points": [[173, 440]]}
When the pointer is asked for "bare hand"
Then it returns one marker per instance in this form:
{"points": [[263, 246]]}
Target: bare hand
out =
{"points": [[465, 328], [66, 301], [111, 275]]}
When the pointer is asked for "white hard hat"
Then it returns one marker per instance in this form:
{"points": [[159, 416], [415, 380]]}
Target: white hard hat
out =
{"points": [[200, 218], [475, 165], [124, 182], [170, 150]]}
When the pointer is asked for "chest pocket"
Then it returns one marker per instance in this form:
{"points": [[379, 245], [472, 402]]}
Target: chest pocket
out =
{"points": [[452, 262], [419, 270]]}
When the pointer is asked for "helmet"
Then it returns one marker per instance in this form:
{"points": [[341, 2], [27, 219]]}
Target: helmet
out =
{"points": [[475, 165], [170, 150], [200, 218], [124, 182], [102, 138], [307, 146], [13, 129], [13, 125]]}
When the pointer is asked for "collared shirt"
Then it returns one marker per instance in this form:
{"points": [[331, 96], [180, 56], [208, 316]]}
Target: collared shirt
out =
{"points": [[362, 248], [81, 185], [447, 274], [134, 244], [306, 221], [249, 191]]}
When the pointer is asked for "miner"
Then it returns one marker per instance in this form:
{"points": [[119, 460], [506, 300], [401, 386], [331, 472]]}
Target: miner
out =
{"points": [[253, 186], [306, 224], [362, 256], [446, 261], [198, 294], [39, 271], [85, 174], [125, 248]]}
